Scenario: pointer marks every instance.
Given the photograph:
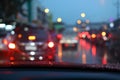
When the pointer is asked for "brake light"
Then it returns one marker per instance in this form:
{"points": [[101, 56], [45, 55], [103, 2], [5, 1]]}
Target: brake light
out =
{"points": [[93, 35], [31, 37], [59, 36], [12, 45], [51, 44], [12, 58], [50, 57]]}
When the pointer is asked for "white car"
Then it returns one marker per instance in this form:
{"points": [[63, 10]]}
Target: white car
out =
{"points": [[69, 39]]}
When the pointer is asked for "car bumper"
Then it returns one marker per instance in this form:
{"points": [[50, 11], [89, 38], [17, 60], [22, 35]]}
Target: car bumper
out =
{"points": [[18, 55]]}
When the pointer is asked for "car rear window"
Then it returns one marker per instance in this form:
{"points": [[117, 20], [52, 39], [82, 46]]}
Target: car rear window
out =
{"points": [[40, 34]]}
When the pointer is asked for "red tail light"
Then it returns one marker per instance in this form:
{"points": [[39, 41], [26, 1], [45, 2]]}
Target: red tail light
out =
{"points": [[51, 44], [12, 58], [12, 45], [59, 36], [50, 57]]}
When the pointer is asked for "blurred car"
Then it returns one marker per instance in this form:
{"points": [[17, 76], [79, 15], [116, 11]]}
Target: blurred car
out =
{"points": [[114, 46], [69, 39], [5, 37], [55, 36], [32, 43], [84, 35], [104, 38], [5, 40]]}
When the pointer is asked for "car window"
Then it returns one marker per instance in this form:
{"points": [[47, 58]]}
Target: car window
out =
{"points": [[41, 34], [81, 31]]}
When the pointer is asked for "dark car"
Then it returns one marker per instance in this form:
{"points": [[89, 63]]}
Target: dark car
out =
{"points": [[104, 38], [32, 43], [115, 41]]}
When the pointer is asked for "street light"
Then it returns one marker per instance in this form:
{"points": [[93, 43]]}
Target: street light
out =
{"points": [[59, 20], [79, 21], [111, 25], [46, 10], [75, 29], [83, 15]]}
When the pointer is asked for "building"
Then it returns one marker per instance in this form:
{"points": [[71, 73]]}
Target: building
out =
{"points": [[33, 10]]}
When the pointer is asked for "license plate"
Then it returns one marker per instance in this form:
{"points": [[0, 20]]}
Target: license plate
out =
{"points": [[31, 48], [68, 45]]}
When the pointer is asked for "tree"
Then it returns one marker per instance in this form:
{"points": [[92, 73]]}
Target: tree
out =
{"points": [[10, 8]]}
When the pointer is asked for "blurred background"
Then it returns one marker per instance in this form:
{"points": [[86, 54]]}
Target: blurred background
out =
{"points": [[86, 31]]}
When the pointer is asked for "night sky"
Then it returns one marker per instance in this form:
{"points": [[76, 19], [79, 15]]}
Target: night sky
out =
{"points": [[70, 10]]}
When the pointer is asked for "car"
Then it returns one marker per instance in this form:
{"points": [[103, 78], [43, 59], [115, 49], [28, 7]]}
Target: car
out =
{"points": [[83, 35], [114, 46], [69, 39], [32, 43], [104, 38], [5, 37]]}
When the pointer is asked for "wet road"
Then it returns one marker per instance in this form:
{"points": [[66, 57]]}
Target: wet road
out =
{"points": [[86, 53]]}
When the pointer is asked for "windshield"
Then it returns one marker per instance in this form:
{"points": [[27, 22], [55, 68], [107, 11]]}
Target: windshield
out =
{"points": [[70, 31]]}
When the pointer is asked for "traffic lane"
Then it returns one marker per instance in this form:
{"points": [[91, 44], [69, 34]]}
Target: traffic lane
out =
{"points": [[86, 53]]}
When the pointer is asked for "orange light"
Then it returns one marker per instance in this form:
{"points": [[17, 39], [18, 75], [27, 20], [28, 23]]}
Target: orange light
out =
{"points": [[50, 44], [103, 33], [5, 41], [79, 21], [93, 35], [19, 35], [31, 37], [12, 46]]}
